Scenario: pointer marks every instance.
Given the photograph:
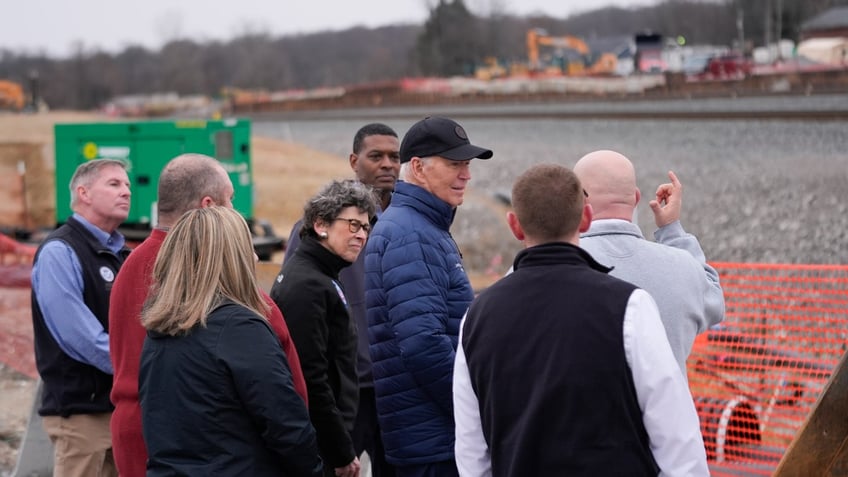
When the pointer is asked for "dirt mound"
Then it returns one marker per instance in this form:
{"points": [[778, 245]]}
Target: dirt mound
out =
{"points": [[285, 175]]}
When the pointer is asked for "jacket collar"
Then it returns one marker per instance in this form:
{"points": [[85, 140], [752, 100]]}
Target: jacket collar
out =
{"points": [[438, 211], [113, 241], [556, 253], [612, 227], [327, 262]]}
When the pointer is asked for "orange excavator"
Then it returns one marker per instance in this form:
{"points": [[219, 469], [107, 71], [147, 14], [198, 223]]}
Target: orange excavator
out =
{"points": [[536, 37], [11, 96]]}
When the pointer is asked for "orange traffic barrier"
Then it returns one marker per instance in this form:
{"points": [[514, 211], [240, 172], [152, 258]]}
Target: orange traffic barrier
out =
{"points": [[757, 376]]}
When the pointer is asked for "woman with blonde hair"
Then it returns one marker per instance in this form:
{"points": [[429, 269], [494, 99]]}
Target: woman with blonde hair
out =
{"points": [[336, 222], [215, 399]]}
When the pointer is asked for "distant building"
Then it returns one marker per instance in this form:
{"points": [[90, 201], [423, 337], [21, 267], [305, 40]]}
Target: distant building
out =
{"points": [[829, 51], [649, 53], [832, 23]]}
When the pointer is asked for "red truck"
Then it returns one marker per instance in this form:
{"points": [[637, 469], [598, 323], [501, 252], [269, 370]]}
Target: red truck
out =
{"points": [[730, 66]]}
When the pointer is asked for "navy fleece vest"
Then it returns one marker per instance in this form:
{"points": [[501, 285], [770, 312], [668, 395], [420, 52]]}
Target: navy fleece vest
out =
{"points": [[72, 387], [545, 353]]}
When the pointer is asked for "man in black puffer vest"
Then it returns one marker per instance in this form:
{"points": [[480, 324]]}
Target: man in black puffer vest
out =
{"points": [[562, 369], [72, 278]]}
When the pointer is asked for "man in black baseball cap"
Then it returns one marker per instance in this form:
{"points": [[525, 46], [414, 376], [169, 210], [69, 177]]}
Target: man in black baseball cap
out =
{"points": [[435, 154], [435, 136], [416, 292]]}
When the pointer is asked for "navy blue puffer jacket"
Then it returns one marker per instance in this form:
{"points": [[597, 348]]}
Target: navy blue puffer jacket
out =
{"points": [[416, 293]]}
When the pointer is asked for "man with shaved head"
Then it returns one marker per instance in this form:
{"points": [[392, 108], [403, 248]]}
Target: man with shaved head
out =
{"points": [[673, 269], [188, 181], [562, 369]]}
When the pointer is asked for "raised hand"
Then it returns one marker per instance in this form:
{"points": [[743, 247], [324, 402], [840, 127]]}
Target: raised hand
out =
{"points": [[668, 202]]}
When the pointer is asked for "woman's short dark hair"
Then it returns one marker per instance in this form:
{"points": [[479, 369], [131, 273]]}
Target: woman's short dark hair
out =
{"points": [[327, 204]]}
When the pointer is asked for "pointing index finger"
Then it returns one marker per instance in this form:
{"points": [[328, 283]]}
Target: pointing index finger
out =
{"points": [[674, 180]]}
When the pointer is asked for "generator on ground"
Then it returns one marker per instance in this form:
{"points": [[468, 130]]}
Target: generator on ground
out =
{"points": [[146, 146]]}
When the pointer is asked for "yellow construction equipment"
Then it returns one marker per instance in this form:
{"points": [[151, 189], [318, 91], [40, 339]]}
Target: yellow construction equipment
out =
{"points": [[490, 69]]}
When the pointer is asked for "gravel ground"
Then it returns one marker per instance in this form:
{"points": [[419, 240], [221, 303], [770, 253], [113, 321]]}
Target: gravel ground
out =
{"points": [[755, 191], [771, 192]]}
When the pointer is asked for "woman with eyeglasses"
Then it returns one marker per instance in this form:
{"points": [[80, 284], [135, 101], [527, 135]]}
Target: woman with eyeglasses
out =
{"points": [[336, 223]]}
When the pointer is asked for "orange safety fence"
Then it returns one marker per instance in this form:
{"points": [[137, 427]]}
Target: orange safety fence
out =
{"points": [[756, 376]]}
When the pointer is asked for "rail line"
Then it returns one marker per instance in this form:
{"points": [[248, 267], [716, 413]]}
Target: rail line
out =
{"points": [[565, 111]]}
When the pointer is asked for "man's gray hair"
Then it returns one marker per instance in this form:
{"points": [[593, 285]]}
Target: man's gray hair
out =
{"points": [[87, 173], [406, 169]]}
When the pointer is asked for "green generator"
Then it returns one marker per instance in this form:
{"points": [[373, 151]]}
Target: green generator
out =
{"points": [[146, 146]]}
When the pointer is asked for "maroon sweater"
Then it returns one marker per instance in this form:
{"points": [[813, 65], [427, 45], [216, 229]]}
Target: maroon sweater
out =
{"points": [[126, 338]]}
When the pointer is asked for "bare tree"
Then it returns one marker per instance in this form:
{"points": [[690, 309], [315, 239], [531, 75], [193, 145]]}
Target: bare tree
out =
{"points": [[449, 44]]}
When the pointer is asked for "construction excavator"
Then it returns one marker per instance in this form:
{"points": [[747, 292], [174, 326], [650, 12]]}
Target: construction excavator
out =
{"points": [[11, 96], [605, 64]]}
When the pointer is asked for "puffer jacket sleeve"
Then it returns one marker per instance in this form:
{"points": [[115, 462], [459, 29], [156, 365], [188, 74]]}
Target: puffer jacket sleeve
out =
{"points": [[415, 280], [253, 355]]}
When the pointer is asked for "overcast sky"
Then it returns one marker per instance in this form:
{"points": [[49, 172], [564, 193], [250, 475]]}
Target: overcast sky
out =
{"points": [[55, 26]]}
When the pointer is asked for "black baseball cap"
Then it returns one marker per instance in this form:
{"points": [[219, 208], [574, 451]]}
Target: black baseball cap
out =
{"points": [[436, 136]]}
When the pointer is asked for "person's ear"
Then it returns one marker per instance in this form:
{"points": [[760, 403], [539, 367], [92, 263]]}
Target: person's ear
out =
{"points": [[206, 201], [638, 196], [353, 159], [82, 193], [417, 167], [586, 218], [320, 227], [515, 226]]}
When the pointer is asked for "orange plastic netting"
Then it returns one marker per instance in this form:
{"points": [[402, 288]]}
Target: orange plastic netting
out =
{"points": [[757, 376]]}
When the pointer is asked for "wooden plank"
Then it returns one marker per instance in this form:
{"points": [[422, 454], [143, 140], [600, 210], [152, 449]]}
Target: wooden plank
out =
{"points": [[821, 446]]}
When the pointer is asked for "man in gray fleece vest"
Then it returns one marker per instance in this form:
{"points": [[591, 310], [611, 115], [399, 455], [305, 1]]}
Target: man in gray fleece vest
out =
{"points": [[673, 269]]}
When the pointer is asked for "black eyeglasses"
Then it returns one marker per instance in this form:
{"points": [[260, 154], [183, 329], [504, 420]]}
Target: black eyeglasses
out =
{"points": [[354, 225]]}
